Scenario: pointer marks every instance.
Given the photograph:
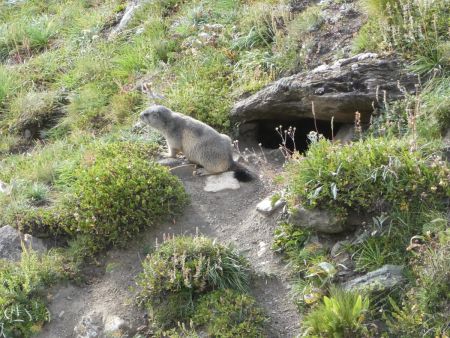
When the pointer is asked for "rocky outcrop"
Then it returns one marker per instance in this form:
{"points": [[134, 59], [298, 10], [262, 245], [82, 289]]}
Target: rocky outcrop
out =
{"points": [[382, 279], [337, 90]]}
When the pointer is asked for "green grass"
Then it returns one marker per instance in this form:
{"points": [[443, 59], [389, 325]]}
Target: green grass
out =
{"points": [[7, 85], [418, 30], [424, 309]]}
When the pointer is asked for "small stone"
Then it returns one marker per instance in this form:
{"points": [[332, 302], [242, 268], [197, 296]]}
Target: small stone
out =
{"points": [[216, 27], [203, 36], [262, 249], [4, 188], [320, 220], [115, 326], [90, 326], [267, 207], [61, 314], [183, 171], [382, 279], [338, 248], [215, 183]]}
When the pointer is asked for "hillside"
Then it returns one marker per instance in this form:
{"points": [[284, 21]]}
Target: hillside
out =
{"points": [[341, 112]]}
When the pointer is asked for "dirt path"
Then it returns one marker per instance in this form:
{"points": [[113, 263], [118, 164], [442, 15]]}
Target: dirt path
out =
{"points": [[231, 217]]}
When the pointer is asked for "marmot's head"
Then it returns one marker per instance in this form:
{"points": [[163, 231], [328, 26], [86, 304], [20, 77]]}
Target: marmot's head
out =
{"points": [[156, 116]]}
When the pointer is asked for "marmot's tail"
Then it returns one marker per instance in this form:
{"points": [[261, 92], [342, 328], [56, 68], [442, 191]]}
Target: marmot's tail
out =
{"points": [[241, 173]]}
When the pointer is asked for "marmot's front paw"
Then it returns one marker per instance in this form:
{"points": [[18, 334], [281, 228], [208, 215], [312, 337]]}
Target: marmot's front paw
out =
{"points": [[201, 172]]}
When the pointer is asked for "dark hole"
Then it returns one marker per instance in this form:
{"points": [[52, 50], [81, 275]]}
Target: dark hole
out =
{"points": [[270, 138]]}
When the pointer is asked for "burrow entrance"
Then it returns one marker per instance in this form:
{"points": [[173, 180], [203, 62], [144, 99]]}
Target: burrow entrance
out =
{"points": [[264, 132]]}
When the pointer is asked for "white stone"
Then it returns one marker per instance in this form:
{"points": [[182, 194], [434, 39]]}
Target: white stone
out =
{"points": [[4, 188], [89, 326], [115, 326], [320, 69], [262, 248], [267, 207], [204, 36], [226, 180], [365, 56]]}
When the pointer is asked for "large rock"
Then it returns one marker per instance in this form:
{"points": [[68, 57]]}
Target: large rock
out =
{"points": [[12, 242], [323, 220], [338, 90], [382, 279]]}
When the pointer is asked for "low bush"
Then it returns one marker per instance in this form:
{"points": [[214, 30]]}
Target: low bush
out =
{"points": [[182, 269], [227, 313], [341, 314], [370, 175], [116, 192]]}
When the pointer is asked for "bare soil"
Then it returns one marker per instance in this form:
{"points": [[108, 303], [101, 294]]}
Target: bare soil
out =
{"points": [[230, 216]]}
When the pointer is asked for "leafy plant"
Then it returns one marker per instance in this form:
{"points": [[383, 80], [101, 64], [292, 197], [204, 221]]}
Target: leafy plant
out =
{"points": [[372, 255], [341, 314]]}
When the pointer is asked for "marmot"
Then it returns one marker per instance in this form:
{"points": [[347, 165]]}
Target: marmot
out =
{"points": [[200, 143]]}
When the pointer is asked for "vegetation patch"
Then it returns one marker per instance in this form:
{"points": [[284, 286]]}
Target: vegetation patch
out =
{"points": [[184, 268], [342, 314], [416, 29], [425, 308], [228, 313], [22, 306], [367, 176], [117, 191]]}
